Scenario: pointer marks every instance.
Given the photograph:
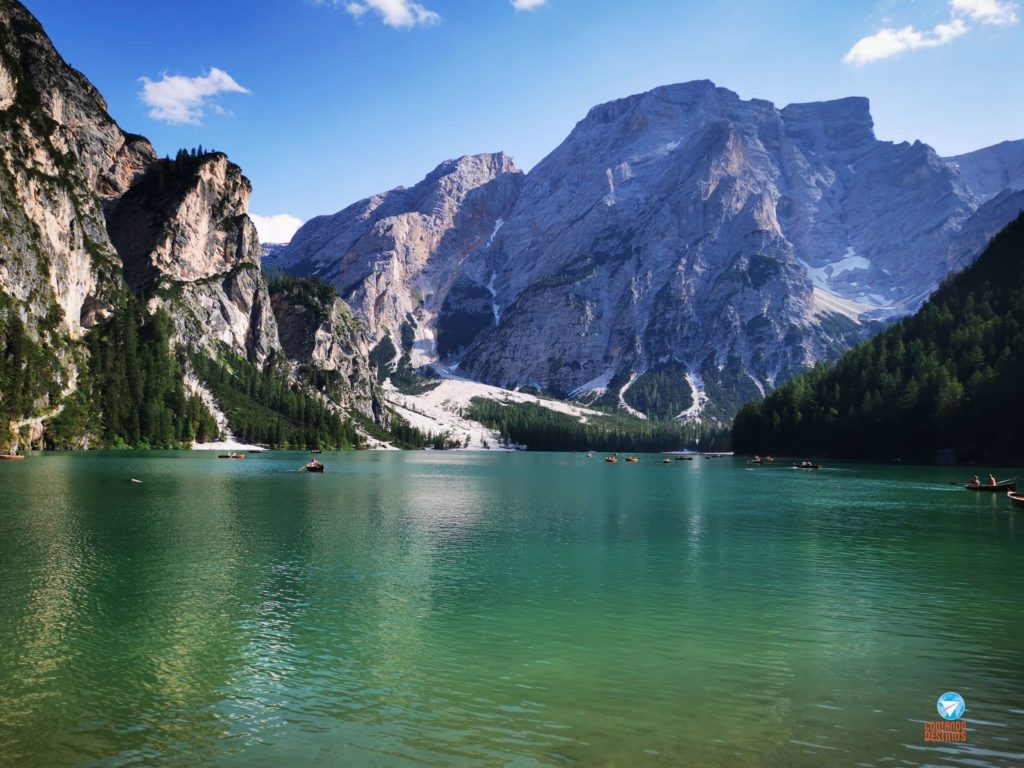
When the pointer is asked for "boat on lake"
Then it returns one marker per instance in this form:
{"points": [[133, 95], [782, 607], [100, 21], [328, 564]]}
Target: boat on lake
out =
{"points": [[807, 465], [666, 461], [612, 459], [11, 456], [1017, 499], [314, 466], [1000, 487], [632, 459], [231, 456]]}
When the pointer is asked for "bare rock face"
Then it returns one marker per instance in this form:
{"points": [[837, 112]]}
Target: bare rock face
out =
{"points": [[395, 257], [680, 241], [87, 210], [59, 151], [184, 235], [318, 330], [687, 239], [991, 170]]}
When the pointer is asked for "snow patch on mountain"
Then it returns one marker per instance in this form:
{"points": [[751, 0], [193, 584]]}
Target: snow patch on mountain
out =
{"points": [[598, 385], [441, 409], [700, 398], [622, 397], [495, 309], [822, 277]]}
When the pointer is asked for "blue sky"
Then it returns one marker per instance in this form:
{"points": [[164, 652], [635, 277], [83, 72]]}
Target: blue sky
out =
{"points": [[323, 102]]}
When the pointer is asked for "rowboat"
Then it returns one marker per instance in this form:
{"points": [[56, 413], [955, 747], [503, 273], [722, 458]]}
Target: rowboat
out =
{"points": [[1017, 499], [1001, 487], [806, 465], [314, 466], [666, 461], [11, 457], [632, 459], [231, 456], [612, 459]]}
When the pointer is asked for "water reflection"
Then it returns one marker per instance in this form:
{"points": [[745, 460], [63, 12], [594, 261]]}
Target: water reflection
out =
{"points": [[496, 609]]}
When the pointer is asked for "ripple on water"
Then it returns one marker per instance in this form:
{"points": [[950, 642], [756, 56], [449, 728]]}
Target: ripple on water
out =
{"points": [[522, 610]]}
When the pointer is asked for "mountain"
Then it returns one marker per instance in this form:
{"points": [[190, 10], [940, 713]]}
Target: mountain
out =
{"points": [[682, 251], [394, 257], [94, 226], [994, 169], [941, 385]]}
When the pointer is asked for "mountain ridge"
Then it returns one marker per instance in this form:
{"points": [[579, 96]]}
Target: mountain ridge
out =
{"points": [[720, 244], [94, 226]]}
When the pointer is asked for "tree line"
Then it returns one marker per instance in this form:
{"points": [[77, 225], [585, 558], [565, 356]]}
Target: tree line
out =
{"points": [[131, 392], [543, 429], [945, 379], [266, 408]]}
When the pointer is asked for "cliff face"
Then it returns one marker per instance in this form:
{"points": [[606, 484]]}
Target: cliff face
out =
{"points": [[88, 212], [723, 244], [60, 156], [396, 256], [681, 245], [185, 237], [320, 333]]}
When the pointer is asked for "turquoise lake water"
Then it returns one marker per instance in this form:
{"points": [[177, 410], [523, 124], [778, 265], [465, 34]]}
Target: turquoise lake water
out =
{"points": [[492, 609]]}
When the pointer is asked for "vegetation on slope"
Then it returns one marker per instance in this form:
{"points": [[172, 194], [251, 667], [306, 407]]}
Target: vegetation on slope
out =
{"points": [[28, 369], [131, 393], [946, 378], [266, 408], [542, 429]]}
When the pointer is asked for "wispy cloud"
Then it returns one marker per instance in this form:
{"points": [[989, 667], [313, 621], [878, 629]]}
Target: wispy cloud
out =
{"points": [[527, 5], [394, 13], [987, 11], [892, 42], [276, 229], [888, 42], [183, 100]]}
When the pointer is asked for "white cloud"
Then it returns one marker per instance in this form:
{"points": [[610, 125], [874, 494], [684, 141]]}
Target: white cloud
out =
{"points": [[527, 5], [176, 99], [889, 42], [394, 13], [892, 42], [276, 229], [986, 11]]}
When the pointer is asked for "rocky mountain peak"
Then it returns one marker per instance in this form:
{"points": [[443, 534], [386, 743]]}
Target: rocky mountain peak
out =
{"points": [[830, 125], [394, 257], [682, 248]]}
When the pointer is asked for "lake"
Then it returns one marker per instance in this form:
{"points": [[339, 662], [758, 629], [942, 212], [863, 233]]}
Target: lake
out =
{"points": [[488, 608]]}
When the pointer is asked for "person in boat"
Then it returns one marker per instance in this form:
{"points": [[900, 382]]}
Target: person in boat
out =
{"points": [[975, 481], [992, 479]]}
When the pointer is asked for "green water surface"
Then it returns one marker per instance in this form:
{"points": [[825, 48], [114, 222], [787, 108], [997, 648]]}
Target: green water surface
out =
{"points": [[499, 609]]}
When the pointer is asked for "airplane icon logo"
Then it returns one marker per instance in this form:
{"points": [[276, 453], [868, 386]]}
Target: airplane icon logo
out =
{"points": [[951, 705]]}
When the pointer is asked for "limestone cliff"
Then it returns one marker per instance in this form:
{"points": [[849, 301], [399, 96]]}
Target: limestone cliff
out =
{"points": [[682, 251], [327, 343], [185, 238], [88, 213], [396, 256]]}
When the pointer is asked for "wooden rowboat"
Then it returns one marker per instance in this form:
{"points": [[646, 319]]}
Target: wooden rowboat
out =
{"points": [[314, 466], [1017, 499], [10, 457], [1001, 487]]}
